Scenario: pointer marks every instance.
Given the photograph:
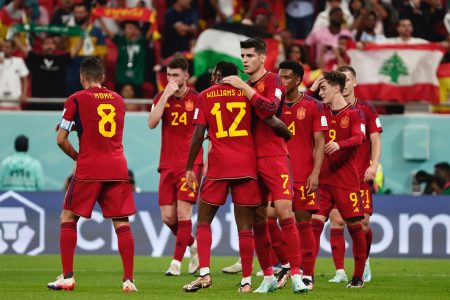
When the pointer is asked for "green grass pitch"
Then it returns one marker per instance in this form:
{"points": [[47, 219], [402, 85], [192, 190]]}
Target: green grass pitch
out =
{"points": [[99, 277]]}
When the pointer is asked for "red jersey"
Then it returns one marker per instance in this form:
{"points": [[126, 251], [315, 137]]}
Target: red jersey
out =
{"points": [[346, 128], [227, 113], [269, 94], [177, 130], [303, 118], [373, 124], [98, 115]]}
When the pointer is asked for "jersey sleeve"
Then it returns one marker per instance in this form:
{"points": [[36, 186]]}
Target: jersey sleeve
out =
{"points": [[199, 112], [320, 121], [267, 106], [373, 123], [68, 118], [156, 100], [358, 131]]}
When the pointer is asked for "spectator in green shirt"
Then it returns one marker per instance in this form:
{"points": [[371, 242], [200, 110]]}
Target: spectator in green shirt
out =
{"points": [[20, 171]]}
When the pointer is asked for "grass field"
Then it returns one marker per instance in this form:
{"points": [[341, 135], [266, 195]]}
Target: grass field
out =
{"points": [[99, 277]]}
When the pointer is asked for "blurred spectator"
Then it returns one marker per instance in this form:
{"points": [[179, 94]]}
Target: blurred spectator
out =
{"points": [[131, 46], [298, 54], [340, 54], [127, 92], [299, 17], [64, 13], [11, 14], [442, 174], [180, 26], [13, 78], [404, 30], [366, 32], [324, 39], [273, 10], [227, 10], [323, 18], [48, 69], [20, 171]]}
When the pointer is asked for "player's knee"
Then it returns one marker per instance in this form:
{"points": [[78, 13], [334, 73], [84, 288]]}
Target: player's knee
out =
{"points": [[169, 220], [365, 226], [68, 216], [284, 211], [303, 216], [184, 215]]}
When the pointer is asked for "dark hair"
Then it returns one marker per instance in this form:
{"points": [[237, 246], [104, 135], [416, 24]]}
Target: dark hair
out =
{"points": [[335, 78], [21, 143], [83, 5], [257, 43], [296, 68], [92, 68], [131, 22], [444, 166], [334, 9], [347, 69], [403, 18], [179, 62], [225, 69]]}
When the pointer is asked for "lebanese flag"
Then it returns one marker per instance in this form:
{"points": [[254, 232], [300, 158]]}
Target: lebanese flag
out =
{"points": [[397, 72]]}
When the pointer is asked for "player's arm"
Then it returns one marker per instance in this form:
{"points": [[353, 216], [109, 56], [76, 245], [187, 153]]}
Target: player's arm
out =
{"points": [[196, 145], [375, 154], [358, 131], [62, 139], [158, 109], [278, 127], [312, 183]]}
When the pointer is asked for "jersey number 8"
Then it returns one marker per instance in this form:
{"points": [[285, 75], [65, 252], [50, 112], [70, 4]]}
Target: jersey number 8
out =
{"points": [[105, 119]]}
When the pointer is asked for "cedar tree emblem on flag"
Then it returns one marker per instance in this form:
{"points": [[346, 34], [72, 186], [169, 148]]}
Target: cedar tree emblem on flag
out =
{"points": [[394, 67]]}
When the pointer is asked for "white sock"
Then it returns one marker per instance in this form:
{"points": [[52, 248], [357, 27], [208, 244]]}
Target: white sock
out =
{"points": [[340, 271], [204, 271], [246, 280], [307, 277], [176, 263], [286, 266]]}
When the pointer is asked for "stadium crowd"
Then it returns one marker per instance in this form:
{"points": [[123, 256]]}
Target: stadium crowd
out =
{"points": [[44, 41]]}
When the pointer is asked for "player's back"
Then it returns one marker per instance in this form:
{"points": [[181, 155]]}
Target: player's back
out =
{"points": [[228, 114], [339, 168], [99, 119]]}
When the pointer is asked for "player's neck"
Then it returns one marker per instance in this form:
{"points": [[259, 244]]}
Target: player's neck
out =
{"points": [[294, 96], [338, 102], [351, 99], [88, 85], [258, 75], [181, 91]]}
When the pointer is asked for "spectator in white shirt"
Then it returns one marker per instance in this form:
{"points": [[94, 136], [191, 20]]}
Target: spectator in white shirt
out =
{"points": [[404, 30], [322, 19]]}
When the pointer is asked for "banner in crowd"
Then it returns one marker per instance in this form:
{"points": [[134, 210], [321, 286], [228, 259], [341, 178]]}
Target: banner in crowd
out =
{"points": [[403, 226], [122, 14], [397, 72], [53, 29], [443, 74]]}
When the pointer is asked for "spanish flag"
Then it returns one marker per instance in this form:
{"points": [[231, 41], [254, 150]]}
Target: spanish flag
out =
{"points": [[443, 74]]}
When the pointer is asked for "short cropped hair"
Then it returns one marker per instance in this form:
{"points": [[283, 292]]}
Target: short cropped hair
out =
{"points": [[21, 143], [225, 69], [296, 68], [347, 69], [179, 62], [92, 68], [257, 43], [335, 78], [444, 166]]}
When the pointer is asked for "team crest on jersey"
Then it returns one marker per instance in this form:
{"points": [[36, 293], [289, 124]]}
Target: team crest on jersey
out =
{"points": [[260, 86], [344, 122], [301, 113], [189, 105], [167, 105]]}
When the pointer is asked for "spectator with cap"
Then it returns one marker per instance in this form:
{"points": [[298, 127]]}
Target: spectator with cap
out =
{"points": [[20, 171]]}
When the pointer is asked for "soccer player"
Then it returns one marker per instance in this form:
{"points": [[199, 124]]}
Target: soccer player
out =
{"points": [[339, 182], [101, 170], [227, 115], [265, 92], [175, 107], [305, 117], [367, 157]]}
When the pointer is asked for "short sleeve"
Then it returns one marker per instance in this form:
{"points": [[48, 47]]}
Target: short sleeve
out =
{"points": [[358, 123], [23, 70], [156, 100], [68, 117], [372, 120], [199, 112], [319, 120]]}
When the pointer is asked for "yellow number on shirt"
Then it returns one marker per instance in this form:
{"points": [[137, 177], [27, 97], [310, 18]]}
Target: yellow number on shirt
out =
{"points": [[354, 198], [105, 119], [332, 135], [232, 131], [292, 128], [177, 120]]}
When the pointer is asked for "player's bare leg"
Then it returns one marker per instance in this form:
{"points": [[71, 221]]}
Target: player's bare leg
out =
{"points": [[205, 216], [307, 244], [244, 220], [67, 243], [337, 243], [368, 234], [291, 241], [359, 251], [126, 249]]}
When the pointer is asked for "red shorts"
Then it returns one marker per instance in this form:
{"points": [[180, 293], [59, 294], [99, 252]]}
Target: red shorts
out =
{"points": [[115, 198], [275, 177], [244, 192], [303, 200], [366, 197], [347, 202], [173, 187]]}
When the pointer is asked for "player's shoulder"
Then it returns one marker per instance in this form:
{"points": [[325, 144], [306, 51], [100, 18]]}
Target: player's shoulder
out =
{"points": [[193, 92], [313, 102], [356, 111], [366, 106]]}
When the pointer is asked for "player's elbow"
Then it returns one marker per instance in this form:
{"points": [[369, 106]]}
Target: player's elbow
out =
{"points": [[152, 123]]}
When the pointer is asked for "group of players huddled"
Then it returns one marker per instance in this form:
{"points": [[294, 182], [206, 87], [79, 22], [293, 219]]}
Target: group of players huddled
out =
{"points": [[289, 161]]}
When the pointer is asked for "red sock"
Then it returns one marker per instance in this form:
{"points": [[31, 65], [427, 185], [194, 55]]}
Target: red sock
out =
{"points": [[263, 247], [204, 241], [183, 237], [67, 244], [337, 243], [246, 249], [273, 255], [307, 247], [277, 241], [359, 249], [368, 235], [291, 244], [126, 250], [317, 231], [173, 228], [191, 239]]}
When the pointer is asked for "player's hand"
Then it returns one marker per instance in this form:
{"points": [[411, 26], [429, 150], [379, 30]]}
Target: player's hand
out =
{"points": [[370, 173], [170, 89], [331, 147], [315, 86], [312, 183], [191, 180], [234, 80]]}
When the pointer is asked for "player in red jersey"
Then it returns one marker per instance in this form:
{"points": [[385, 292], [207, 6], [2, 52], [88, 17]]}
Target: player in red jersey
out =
{"points": [[175, 107], [265, 91], [227, 115], [339, 182], [367, 157], [305, 117], [101, 172]]}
